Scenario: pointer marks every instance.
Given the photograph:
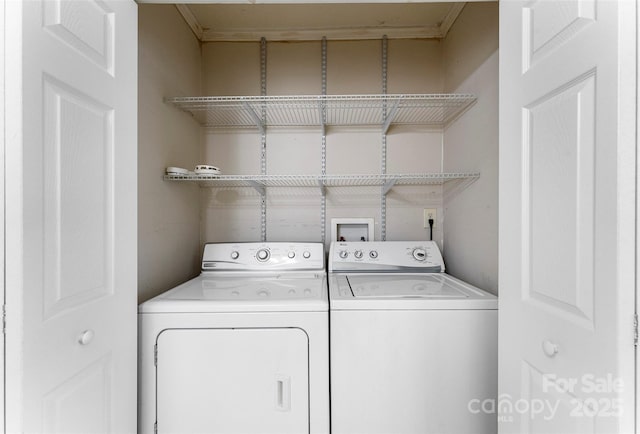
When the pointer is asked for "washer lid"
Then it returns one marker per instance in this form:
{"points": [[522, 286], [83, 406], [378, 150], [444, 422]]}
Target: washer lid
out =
{"points": [[405, 291], [404, 286], [285, 292]]}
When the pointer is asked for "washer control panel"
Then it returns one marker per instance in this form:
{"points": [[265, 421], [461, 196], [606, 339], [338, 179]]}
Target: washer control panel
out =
{"points": [[407, 256], [263, 256]]}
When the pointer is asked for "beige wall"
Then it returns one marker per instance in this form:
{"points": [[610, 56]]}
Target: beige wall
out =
{"points": [[470, 42], [353, 67], [471, 144], [168, 213]]}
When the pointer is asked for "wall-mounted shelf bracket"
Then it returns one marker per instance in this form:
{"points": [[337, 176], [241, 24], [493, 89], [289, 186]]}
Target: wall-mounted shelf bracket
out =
{"points": [[387, 186], [258, 187], [323, 188], [322, 117], [255, 117], [391, 115]]}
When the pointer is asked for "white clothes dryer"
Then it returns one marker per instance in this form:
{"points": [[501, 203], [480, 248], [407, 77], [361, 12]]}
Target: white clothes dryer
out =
{"points": [[242, 348], [413, 350]]}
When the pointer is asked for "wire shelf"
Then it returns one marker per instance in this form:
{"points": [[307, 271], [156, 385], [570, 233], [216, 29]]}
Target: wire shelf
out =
{"points": [[262, 181], [435, 110]]}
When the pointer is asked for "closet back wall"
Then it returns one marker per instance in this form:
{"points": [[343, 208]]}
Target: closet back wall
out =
{"points": [[353, 67]]}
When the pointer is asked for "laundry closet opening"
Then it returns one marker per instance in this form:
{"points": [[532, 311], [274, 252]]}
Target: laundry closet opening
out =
{"points": [[288, 176]]}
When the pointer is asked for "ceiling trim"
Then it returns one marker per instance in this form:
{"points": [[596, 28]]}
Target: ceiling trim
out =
{"points": [[191, 20], [451, 18], [351, 33], [330, 34]]}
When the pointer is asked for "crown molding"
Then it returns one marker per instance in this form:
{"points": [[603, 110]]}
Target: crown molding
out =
{"points": [[305, 34]]}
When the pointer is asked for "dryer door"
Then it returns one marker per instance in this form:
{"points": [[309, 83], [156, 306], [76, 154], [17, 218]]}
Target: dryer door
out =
{"points": [[233, 381]]}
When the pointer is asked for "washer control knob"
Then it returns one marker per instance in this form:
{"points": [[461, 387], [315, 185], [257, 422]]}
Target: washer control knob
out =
{"points": [[291, 254], [306, 254], [235, 254], [263, 255], [358, 254], [419, 254], [373, 254], [343, 254]]}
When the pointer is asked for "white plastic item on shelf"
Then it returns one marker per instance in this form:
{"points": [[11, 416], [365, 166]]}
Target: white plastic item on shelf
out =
{"points": [[206, 169], [171, 170]]}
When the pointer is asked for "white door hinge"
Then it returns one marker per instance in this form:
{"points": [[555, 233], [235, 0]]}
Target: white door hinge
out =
{"points": [[155, 355], [155, 427], [635, 329]]}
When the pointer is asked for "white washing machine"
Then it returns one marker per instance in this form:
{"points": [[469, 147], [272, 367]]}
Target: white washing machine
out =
{"points": [[243, 348], [413, 350]]}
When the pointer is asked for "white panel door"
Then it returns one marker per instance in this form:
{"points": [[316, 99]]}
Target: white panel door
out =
{"points": [[71, 260], [232, 381], [567, 167]]}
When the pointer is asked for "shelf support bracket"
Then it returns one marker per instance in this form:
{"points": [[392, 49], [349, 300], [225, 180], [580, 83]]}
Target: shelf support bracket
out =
{"points": [[388, 186], [257, 186], [321, 111], [323, 187], [391, 116], [254, 116]]}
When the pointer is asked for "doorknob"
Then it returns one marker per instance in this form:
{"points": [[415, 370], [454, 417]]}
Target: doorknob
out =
{"points": [[549, 348], [86, 337]]}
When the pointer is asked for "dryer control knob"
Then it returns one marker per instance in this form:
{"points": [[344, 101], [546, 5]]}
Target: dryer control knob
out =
{"points": [[373, 254], [306, 254], [358, 254], [263, 255], [291, 254], [343, 254], [419, 254], [235, 255]]}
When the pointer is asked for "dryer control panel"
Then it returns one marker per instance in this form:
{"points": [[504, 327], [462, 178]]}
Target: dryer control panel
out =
{"points": [[268, 256], [387, 256]]}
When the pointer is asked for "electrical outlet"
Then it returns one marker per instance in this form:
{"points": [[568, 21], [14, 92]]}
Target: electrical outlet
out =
{"points": [[429, 213]]}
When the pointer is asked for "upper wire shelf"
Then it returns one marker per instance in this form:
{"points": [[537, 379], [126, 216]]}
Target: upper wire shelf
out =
{"points": [[260, 182], [435, 110]]}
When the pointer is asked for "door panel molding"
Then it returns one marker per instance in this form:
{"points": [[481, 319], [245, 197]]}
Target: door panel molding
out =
{"points": [[559, 139], [548, 25], [87, 27], [73, 278]]}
